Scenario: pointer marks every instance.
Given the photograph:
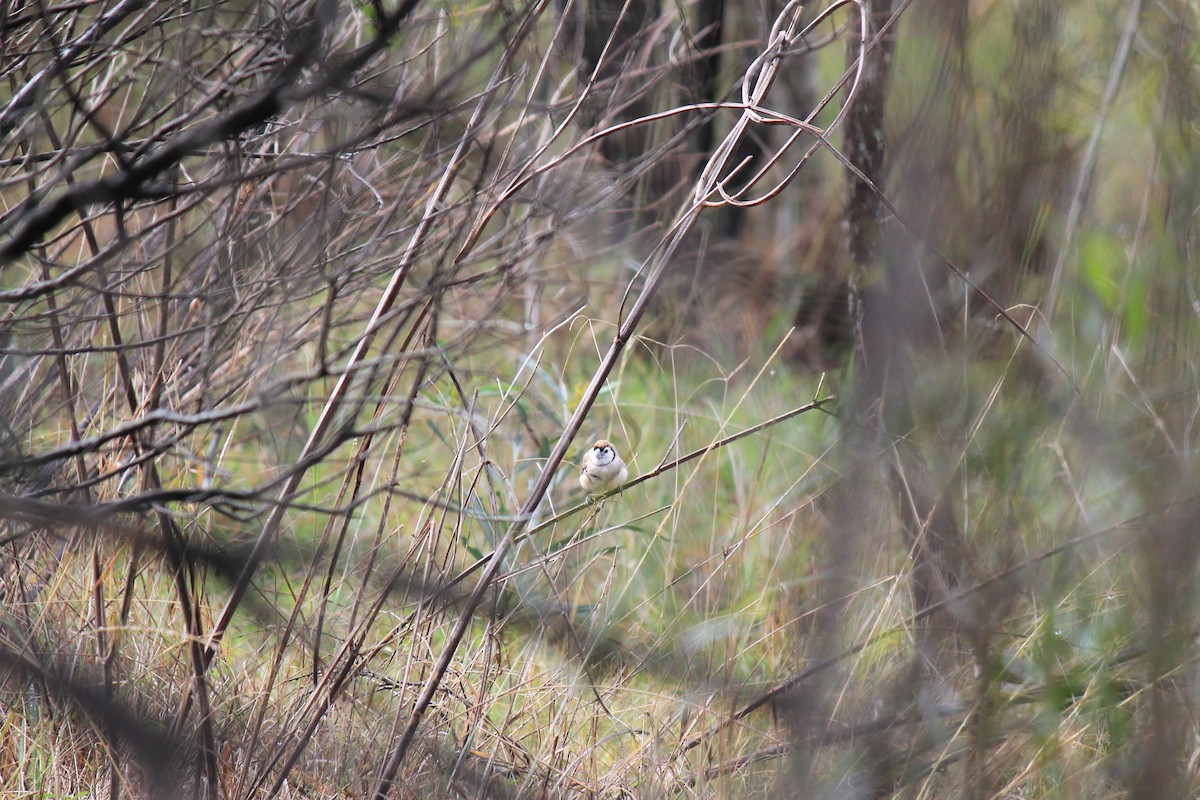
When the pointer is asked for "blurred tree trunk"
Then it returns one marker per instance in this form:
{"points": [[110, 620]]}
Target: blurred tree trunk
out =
{"points": [[610, 39], [886, 284], [1168, 545], [709, 33]]}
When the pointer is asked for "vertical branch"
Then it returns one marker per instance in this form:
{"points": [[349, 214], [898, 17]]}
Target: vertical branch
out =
{"points": [[865, 145], [1083, 180]]}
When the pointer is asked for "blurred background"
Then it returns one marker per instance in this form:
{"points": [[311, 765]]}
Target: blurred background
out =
{"points": [[297, 299]]}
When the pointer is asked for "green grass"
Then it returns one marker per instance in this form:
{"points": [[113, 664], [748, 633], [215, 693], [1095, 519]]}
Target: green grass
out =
{"points": [[625, 642]]}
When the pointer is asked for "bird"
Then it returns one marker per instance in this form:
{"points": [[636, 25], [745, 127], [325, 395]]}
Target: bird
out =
{"points": [[602, 469]]}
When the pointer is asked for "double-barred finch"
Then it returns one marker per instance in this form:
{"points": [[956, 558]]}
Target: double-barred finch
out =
{"points": [[602, 469]]}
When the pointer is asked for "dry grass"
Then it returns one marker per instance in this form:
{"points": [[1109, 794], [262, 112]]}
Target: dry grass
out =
{"points": [[306, 318]]}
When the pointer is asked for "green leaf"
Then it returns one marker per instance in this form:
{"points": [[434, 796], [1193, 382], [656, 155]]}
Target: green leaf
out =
{"points": [[1101, 261]]}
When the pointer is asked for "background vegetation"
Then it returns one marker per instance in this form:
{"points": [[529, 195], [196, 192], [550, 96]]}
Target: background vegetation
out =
{"points": [[308, 310]]}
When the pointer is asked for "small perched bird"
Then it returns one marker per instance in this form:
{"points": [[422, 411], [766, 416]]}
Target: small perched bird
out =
{"points": [[602, 469]]}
